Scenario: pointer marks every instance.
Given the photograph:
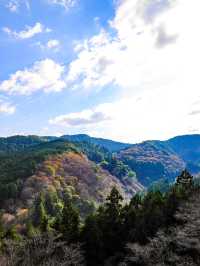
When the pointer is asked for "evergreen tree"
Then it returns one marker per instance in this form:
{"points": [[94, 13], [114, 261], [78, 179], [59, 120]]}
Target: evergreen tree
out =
{"points": [[110, 222], [91, 236], [40, 217], [185, 179], [70, 223]]}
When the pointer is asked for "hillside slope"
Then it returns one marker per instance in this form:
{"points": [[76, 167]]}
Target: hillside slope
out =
{"points": [[68, 174], [57, 167], [152, 160], [179, 246], [149, 161], [188, 148]]}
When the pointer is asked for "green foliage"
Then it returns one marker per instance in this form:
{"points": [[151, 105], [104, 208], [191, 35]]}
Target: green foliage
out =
{"points": [[107, 230], [17, 166], [69, 223], [161, 185], [102, 231], [40, 217], [11, 233], [31, 231], [113, 224], [106, 160]]}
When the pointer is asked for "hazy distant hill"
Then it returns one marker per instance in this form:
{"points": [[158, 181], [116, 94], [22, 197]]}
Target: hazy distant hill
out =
{"points": [[112, 146], [187, 147]]}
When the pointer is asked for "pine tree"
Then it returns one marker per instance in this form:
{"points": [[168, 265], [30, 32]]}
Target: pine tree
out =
{"points": [[185, 179], [40, 217], [70, 223], [110, 222], [91, 237]]}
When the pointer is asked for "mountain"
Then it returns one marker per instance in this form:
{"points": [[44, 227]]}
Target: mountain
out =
{"points": [[83, 172], [147, 162], [112, 146], [152, 160], [17, 143], [188, 148]]}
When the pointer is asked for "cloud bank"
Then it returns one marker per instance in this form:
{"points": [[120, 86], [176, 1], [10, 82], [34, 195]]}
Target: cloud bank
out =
{"points": [[151, 52]]}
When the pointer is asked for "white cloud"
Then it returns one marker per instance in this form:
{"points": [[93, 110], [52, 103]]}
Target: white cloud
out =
{"points": [[151, 51], [63, 3], [84, 118], [6, 108], [53, 45], [155, 115], [141, 27], [131, 58], [28, 32], [14, 5], [45, 75], [164, 39]]}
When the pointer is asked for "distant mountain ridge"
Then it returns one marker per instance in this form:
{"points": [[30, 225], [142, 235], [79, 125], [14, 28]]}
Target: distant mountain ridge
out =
{"points": [[150, 160], [111, 145]]}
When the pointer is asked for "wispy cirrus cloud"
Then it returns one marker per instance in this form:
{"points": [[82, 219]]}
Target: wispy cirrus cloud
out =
{"points": [[28, 32], [6, 108], [45, 75], [63, 3], [14, 5], [53, 45]]}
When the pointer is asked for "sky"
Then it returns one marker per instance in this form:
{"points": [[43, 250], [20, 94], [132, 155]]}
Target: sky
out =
{"points": [[127, 70]]}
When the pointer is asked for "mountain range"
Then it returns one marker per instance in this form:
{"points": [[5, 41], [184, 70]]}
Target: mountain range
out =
{"points": [[150, 160], [85, 169]]}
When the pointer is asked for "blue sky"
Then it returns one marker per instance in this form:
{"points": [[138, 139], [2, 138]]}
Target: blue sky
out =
{"points": [[126, 70]]}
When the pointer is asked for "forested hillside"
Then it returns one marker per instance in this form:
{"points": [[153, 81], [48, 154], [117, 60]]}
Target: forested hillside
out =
{"points": [[86, 200], [148, 162], [117, 233], [83, 172], [155, 160]]}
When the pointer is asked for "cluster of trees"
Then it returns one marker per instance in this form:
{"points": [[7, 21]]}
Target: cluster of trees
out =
{"points": [[17, 166], [105, 232], [22, 162], [107, 160], [19, 143]]}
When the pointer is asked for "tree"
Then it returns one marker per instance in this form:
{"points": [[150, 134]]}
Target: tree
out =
{"points": [[40, 217], [110, 222], [70, 222], [185, 179], [91, 236]]}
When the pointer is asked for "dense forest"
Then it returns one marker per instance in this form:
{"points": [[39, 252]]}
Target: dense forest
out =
{"points": [[19, 161], [55, 234], [79, 203]]}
